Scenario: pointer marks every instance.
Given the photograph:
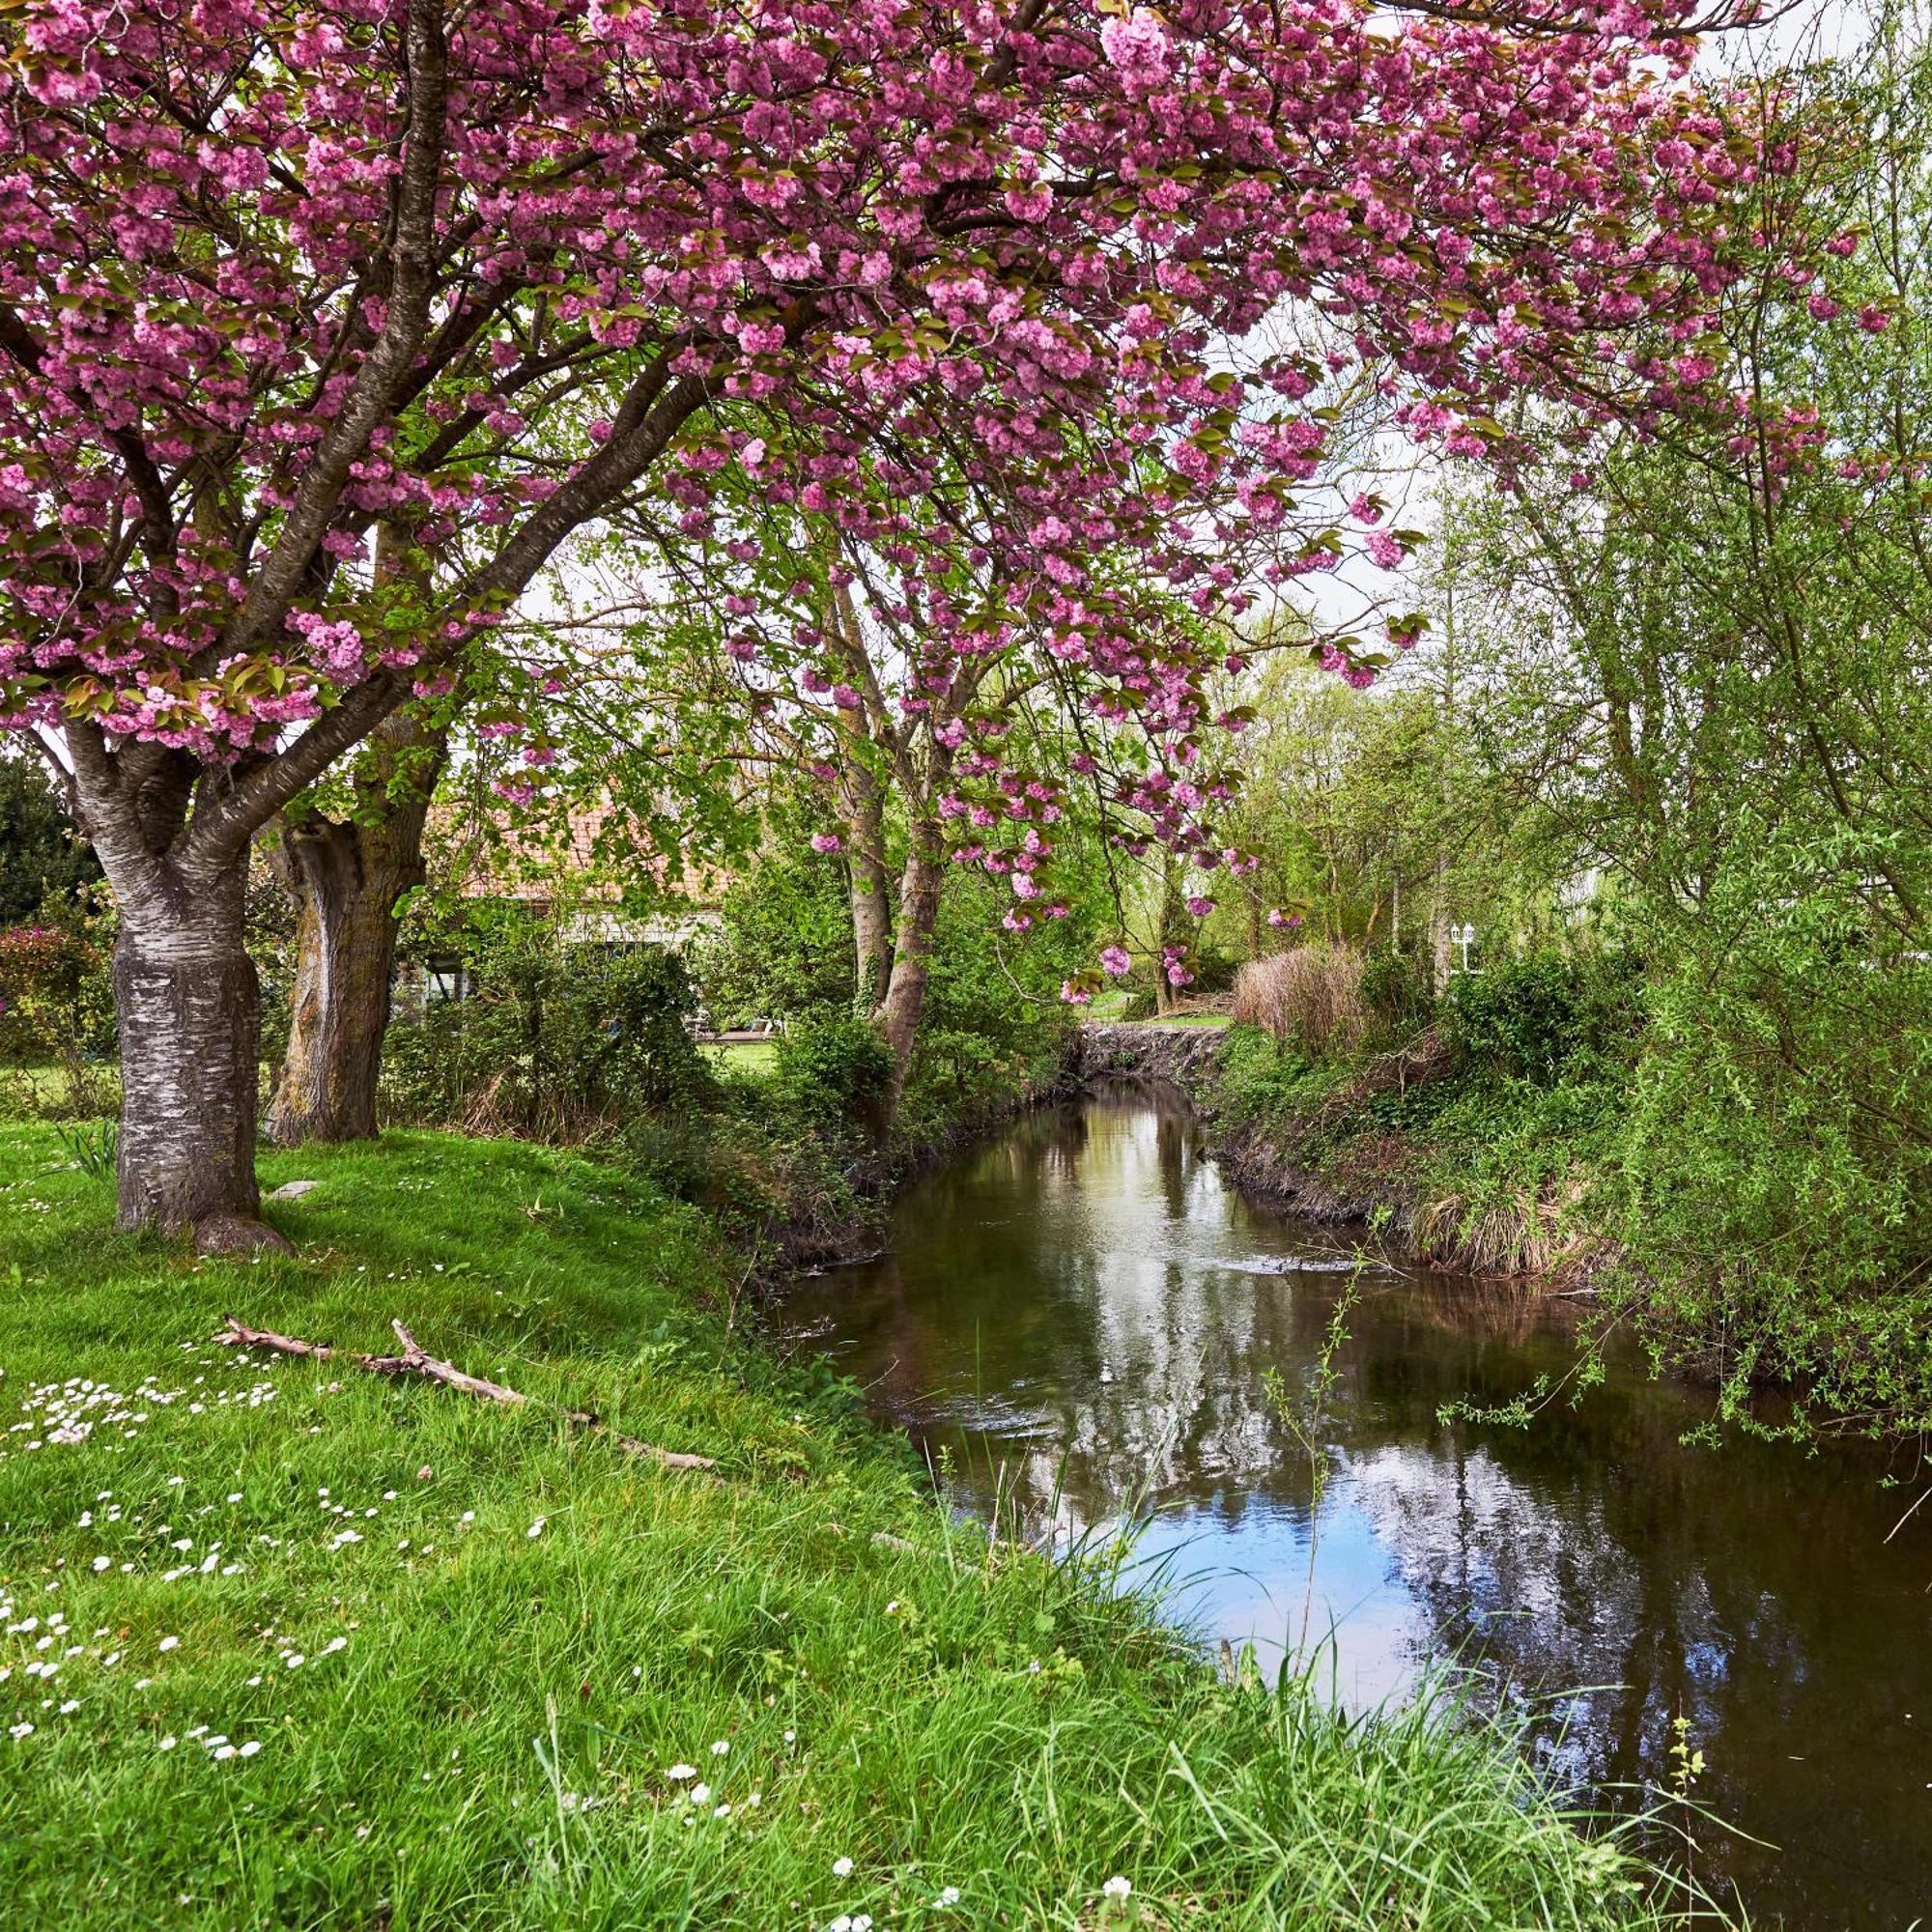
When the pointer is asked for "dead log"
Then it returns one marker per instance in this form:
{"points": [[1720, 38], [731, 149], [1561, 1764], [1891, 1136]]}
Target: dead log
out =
{"points": [[415, 1363]]}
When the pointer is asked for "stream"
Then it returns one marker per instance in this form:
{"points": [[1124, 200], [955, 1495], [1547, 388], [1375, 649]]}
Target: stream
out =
{"points": [[1084, 1315]]}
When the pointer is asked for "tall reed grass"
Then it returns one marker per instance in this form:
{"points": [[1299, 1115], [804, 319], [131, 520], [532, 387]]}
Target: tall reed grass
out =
{"points": [[1311, 995]]}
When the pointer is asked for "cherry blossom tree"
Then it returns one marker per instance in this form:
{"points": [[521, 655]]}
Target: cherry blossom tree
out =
{"points": [[325, 323]]}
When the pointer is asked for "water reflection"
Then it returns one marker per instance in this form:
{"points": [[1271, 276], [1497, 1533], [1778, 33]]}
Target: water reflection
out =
{"points": [[1086, 1315]]}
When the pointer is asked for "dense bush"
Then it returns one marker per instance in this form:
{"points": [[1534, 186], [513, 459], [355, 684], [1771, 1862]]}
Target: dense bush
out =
{"points": [[1534, 1016], [836, 1071], [555, 1037], [57, 1010], [1397, 992], [44, 862], [786, 947]]}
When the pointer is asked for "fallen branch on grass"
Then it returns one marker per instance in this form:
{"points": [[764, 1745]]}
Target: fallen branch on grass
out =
{"points": [[413, 1362]]}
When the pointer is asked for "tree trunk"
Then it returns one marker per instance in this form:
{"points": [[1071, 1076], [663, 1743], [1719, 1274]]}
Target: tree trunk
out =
{"points": [[899, 1012], [189, 1007], [1441, 956], [1171, 930], [344, 878], [863, 801]]}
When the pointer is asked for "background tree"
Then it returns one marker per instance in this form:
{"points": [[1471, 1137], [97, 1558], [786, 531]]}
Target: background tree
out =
{"points": [[43, 856]]}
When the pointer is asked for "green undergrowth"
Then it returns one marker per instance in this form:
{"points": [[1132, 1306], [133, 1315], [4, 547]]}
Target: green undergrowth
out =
{"points": [[290, 1644], [1762, 1251]]}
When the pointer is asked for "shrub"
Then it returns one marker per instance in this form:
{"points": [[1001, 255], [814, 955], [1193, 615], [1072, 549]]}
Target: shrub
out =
{"points": [[1397, 992], [835, 1070], [786, 948], [57, 1012], [1541, 1014], [1312, 995], [556, 1040], [1520, 1016]]}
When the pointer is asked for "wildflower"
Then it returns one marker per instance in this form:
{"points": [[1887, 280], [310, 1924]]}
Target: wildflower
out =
{"points": [[700, 1794], [536, 1528], [721, 1811], [223, 1753], [295, 1659], [234, 1496], [167, 1743], [71, 1705], [23, 1729], [842, 1867], [720, 1747], [102, 1563], [169, 1644], [1117, 1886], [949, 1896], [250, 1747], [679, 1773], [334, 1644]]}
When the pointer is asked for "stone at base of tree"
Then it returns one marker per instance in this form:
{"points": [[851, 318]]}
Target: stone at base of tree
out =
{"points": [[293, 1190], [239, 1234]]}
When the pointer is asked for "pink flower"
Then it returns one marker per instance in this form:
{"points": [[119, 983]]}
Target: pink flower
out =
{"points": [[827, 841], [1384, 551], [1137, 48], [1116, 961], [1200, 905], [1076, 994]]}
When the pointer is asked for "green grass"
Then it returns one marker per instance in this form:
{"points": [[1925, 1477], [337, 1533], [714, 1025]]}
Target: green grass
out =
{"points": [[496, 1678], [743, 1056]]}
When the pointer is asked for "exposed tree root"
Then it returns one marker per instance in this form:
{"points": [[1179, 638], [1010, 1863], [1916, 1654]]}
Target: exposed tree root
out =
{"points": [[413, 1362], [239, 1234]]}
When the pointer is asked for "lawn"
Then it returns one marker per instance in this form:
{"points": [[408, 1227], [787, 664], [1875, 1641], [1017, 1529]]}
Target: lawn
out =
{"points": [[741, 1055], [287, 1644]]}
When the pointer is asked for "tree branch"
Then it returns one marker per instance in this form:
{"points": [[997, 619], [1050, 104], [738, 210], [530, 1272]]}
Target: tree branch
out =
{"points": [[414, 1363], [386, 366]]}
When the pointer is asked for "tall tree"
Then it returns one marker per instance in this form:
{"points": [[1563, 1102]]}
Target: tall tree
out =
{"points": [[275, 271]]}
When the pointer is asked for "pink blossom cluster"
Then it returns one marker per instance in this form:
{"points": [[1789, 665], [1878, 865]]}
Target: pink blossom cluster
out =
{"points": [[992, 293]]}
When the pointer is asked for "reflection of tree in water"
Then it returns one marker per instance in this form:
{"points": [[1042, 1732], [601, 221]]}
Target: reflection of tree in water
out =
{"points": [[1086, 1309]]}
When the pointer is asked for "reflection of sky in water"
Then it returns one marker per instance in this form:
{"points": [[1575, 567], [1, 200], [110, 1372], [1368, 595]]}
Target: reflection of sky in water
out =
{"points": [[1085, 1319]]}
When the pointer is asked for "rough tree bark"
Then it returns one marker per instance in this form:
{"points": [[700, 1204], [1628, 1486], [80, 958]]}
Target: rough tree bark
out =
{"points": [[899, 1011], [189, 1007], [862, 798], [343, 877]]}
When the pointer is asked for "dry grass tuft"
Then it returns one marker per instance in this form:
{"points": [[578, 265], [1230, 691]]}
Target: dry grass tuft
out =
{"points": [[1312, 995]]}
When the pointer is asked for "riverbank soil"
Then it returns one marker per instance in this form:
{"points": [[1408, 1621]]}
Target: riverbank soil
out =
{"points": [[288, 1642]]}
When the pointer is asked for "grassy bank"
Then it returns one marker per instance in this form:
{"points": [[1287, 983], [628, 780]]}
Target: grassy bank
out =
{"points": [[288, 1644], [1750, 1252]]}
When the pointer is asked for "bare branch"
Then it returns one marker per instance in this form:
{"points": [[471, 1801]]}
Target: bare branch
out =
{"points": [[414, 1364]]}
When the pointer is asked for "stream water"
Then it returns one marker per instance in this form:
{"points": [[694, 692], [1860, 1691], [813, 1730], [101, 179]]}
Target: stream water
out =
{"points": [[1084, 1314]]}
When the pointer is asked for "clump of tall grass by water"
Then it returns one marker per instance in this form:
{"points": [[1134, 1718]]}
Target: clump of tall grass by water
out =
{"points": [[288, 1643], [1311, 995]]}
